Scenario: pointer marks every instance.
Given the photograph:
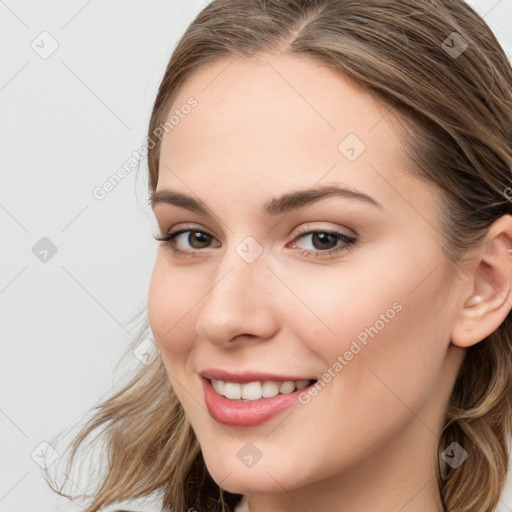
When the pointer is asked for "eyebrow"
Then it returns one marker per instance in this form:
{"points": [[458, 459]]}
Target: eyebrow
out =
{"points": [[275, 206]]}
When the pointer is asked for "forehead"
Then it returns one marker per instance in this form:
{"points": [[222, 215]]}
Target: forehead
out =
{"points": [[282, 122], [293, 96]]}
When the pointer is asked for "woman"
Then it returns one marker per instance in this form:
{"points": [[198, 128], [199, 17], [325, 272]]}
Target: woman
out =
{"points": [[331, 295]]}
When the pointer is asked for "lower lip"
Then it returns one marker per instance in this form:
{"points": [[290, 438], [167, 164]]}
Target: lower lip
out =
{"points": [[246, 414]]}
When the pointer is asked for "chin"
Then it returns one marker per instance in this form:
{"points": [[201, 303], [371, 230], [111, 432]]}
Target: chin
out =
{"points": [[259, 479], [247, 483]]}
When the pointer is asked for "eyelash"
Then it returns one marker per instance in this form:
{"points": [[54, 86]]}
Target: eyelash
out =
{"points": [[348, 241]]}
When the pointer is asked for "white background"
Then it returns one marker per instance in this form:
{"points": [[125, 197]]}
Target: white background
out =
{"points": [[68, 123]]}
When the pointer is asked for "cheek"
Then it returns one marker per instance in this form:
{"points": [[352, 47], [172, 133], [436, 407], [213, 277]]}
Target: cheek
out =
{"points": [[377, 323], [171, 299], [170, 303], [338, 308]]}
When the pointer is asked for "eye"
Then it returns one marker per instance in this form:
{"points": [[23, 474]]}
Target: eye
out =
{"points": [[323, 242], [196, 238]]}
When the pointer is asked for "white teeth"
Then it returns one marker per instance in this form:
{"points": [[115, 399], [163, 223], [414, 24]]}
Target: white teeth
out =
{"points": [[287, 387], [251, 391], [233, 390], [256, 390], [270, 389], [218, 386]]}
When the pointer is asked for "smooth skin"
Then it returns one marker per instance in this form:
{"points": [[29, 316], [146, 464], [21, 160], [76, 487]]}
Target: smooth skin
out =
{"points": [[269, 126]]}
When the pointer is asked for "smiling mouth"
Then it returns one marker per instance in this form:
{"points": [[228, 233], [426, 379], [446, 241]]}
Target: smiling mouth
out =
{"points": [[257, 390], [253, 402]]}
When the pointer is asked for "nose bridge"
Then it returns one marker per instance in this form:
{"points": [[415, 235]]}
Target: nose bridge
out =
{"points": [[238, 300]]}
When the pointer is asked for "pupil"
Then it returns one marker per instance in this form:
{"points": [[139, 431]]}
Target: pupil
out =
{"points": [[323, 237], [197, 235]]}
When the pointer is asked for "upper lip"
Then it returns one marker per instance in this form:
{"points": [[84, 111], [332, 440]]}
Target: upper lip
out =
{"points": [[247, 376]]}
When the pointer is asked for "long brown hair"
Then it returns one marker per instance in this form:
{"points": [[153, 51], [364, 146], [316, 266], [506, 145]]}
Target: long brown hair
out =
{"points": [[438, 64]]}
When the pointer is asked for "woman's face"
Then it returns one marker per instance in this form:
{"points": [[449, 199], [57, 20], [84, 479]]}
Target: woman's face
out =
{"points": [[349, 288]]}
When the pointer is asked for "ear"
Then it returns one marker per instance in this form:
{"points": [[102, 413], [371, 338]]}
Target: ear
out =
{"points": [[490, 299]]}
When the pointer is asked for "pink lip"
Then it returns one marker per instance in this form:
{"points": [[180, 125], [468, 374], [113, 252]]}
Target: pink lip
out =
{"points": [[246, 414]]}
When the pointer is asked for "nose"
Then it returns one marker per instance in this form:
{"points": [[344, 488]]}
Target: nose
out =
{"points": [[238, 302]]}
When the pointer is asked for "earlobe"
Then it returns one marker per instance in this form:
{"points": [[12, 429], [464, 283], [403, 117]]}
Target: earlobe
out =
{"points": [[490, 300]]}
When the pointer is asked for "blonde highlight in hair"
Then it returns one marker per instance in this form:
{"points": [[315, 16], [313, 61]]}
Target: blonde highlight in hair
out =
{"points": [[459, 112]]}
